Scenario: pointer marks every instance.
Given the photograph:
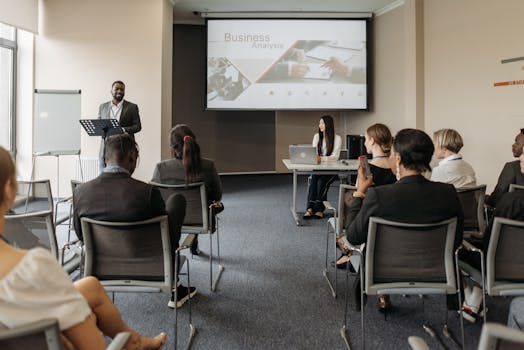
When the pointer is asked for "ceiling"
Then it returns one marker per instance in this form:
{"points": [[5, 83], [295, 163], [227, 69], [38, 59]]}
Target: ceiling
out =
{"points": [[189, 11]]}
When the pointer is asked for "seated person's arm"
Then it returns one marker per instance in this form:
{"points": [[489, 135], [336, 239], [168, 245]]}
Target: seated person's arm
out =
{"points": [[364, 208], [505, 179]]}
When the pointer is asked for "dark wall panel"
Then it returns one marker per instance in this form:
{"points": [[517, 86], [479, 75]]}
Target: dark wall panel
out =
{"points": [[238, 141]]}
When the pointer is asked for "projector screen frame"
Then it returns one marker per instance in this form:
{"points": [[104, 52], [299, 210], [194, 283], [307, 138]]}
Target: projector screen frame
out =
{"points": [[369, 71]]}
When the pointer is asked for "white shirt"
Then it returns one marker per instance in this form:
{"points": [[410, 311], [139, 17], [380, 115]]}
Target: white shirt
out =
{"points": [[456, 171], [116, 110], [336, 147], [38, 288]]}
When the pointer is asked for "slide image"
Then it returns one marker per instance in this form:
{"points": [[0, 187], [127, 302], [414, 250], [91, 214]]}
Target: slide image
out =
{"points": [[224, 80]]}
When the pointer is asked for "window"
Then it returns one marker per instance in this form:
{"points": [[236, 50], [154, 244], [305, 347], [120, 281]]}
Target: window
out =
{"points": [[7, 86]]}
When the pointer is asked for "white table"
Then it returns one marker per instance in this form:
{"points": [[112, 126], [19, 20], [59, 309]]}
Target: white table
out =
{"points": [[324, 168]]}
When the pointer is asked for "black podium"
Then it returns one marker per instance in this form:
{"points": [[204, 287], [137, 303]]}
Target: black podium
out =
{"points": [[101, 127]]}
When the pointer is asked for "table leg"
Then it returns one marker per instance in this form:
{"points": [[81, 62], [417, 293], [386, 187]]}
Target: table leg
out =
{"points": [[294, 206]]}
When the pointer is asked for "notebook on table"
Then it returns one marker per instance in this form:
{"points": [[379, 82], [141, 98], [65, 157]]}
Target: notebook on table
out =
{"points": [[302, 154]]}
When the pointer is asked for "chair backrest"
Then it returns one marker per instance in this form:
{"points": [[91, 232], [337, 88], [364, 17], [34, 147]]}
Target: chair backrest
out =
{"points": [[129, 253], [33, 196], [40, 335], [515, 187], [345, 193], [472, 202], [505, 261], [405, 256], [197, 217], [31, 230], [498, 337]]}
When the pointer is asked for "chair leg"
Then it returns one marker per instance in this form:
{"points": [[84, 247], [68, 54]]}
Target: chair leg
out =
{"points": [[483, 286], [362, 301], [459, 283], [220, 267], [192, 328], [331, 287], [343, 330]]}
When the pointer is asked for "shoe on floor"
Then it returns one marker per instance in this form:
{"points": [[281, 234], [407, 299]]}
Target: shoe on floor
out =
{"points": [[194, 247], [184, 294], [384, 303], [319, 215], [470, 314], [308, 214]]}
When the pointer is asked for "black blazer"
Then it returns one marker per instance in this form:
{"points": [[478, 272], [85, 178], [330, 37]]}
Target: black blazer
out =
{"points": [[412, 199], [510, 174], [116, 197], [129, 117]]}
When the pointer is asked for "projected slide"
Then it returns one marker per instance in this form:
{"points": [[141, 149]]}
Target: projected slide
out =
{"points": [[286, 64]]}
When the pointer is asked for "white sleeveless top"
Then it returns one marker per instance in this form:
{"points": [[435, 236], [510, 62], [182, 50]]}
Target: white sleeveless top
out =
{"points": [[38, 288]]}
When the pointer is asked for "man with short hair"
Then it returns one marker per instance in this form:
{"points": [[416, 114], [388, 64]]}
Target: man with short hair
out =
{"points": [[115, 196], [510, 174], [124, 111]]}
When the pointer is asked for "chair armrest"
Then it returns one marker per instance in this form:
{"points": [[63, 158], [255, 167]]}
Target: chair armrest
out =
{"points": [[119, 342], [187, 242], [329, 206], [471, 247], [417, 343]]}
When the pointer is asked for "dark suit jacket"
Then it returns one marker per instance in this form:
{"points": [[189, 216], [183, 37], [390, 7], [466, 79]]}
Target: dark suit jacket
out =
{"points": [[129, 117], [510, 174], [171, 172], [412, 199], [116, 197]]}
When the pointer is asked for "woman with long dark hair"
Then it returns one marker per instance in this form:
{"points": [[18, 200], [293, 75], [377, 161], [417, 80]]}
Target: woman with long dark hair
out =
{"points": [[328, 148], [187, 166]]}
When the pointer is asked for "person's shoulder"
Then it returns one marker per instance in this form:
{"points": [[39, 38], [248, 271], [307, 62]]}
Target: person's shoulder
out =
{"points": [[130, 104], [206, 162]]}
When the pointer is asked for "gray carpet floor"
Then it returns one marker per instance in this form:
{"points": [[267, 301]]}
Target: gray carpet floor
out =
{"points": [[272, 294]]}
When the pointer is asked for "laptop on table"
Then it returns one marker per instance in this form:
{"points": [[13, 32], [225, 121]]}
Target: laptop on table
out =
{"points": [[302, 154]]}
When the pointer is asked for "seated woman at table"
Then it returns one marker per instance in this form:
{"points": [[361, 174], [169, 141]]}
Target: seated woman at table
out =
{"points": [[452, 169], [412, 199], [34, 287], [328, 148]]}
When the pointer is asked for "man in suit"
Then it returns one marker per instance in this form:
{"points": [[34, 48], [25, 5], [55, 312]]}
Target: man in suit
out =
{"points": [[115, 196], [510, 174], [124, 111]]}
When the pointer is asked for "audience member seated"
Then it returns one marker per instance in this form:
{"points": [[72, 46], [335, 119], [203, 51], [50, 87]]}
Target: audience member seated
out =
{"points": [[188, 166], [328, 148], [452, 169], [412, 199], [511, 206], [378, 142], [510, 174], [115, 196], [33, 287]]}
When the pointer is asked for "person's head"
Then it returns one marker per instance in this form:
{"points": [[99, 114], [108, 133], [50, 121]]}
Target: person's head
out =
{"points": [[7, 181], [184, 146], [121, 150], [447, 139], [412, 150], [118, 90], [521, 158], [326, 131], [518, 144], [378, 135]]}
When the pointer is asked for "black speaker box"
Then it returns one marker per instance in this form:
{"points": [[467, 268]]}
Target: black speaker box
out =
{"points": [[355, 146]]}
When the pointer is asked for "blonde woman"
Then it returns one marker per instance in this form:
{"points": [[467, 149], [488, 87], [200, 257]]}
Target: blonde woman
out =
{"points": [[452, 169]]}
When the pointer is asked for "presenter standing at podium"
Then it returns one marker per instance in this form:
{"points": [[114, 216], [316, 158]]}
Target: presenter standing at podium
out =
{"points": [[124, 111]]}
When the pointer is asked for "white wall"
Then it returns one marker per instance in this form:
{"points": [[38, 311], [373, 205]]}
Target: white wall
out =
{"points": [[464, 44], [87, 45]]}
